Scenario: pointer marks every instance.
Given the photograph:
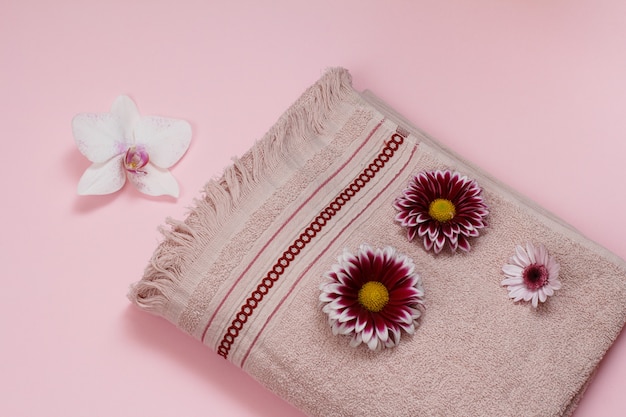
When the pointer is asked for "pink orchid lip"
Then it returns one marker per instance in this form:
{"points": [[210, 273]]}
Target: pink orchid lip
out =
{"points": [[135, 159]]}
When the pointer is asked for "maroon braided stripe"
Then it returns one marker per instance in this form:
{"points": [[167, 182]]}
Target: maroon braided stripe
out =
{"points": [[305, 237]]}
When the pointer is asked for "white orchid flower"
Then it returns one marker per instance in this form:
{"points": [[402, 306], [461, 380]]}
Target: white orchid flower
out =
{"points": [[122, 144]]}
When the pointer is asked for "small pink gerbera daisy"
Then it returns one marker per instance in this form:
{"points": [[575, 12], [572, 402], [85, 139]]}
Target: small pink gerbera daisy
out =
{"points": [[372, 295], [531, 274], [442, 207]]}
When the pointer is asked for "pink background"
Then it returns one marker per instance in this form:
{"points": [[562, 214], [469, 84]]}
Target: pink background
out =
{"points": [[532, 91]]}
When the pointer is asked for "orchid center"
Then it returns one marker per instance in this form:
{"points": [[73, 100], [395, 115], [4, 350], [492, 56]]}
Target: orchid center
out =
{"points": [[136, 159], [373, 296], [442, 210], [535, 276]]}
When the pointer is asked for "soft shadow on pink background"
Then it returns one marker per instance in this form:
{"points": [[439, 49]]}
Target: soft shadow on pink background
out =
{"points": [[533, 92]]}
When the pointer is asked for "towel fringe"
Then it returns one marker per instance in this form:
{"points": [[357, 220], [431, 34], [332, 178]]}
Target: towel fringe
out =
{"points": [[184, 241]]}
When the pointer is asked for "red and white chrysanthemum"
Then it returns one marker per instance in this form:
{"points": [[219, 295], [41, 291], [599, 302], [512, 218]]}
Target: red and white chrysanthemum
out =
{"points": [[442, 207], [531, 274], [372, 295]]}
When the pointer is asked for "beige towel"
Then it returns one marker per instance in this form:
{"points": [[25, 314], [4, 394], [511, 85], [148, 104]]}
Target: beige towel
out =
{"points": [[230, 276]]}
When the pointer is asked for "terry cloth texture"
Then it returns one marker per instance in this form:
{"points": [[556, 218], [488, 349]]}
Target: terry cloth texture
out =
{"points": [[242, 273]]}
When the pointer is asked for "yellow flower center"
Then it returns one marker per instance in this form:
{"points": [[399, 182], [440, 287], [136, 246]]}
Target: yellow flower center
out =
{"points": [[442, 210], [373, 296]]}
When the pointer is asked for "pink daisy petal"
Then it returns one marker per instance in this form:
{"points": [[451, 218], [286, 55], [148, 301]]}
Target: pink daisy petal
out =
{"points": [[512, 281], [535, 299], [512, 270], [522, 256], [531, 251]]}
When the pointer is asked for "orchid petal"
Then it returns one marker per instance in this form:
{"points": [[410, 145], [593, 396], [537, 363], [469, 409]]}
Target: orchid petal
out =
{"points": [[99, 136], [125, 110], [103, 178], [166, 140], [156, 181]]}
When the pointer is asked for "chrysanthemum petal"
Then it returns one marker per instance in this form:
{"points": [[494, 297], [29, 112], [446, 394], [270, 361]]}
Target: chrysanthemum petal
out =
{"points": [[103, 178], [374, 343], [368, 333], [404, 294], [415, 313], [428, 243], [395, 313], [382, 332], [409, 328], [331, 286], [326, 298], [361, 321], [464, 243], [332, 313], [347, 315], [338, 304]]}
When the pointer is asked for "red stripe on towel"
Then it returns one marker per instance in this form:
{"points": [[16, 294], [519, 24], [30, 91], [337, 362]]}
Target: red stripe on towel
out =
{"points": [[256, 257], [308, 234], [269, 318]]}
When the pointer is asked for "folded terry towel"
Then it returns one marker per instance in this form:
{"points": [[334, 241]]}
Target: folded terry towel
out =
{"points": [[467, 299]]}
